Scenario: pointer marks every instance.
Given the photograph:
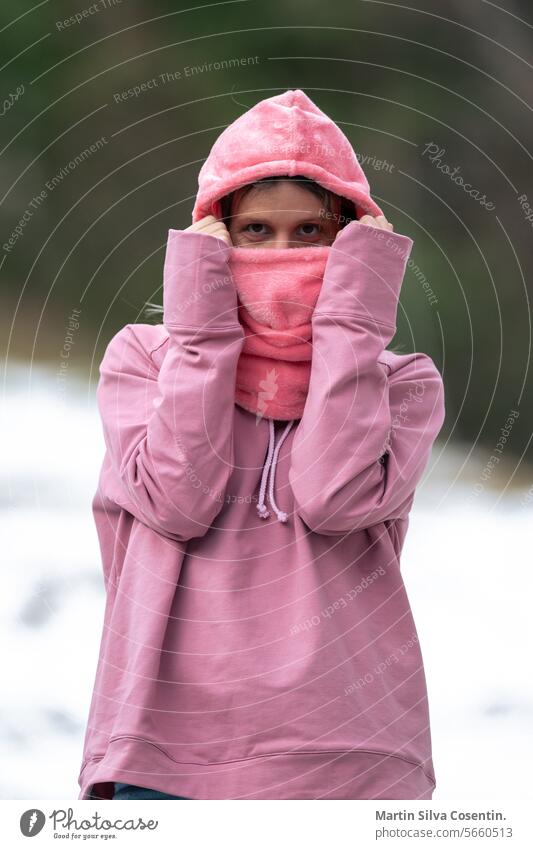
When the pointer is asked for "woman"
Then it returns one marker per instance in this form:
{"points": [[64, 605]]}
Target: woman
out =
{"points": [[261, 645]]}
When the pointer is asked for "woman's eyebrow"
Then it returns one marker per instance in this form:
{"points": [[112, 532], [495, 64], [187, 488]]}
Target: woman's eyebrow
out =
{"points": [[272, 217]]}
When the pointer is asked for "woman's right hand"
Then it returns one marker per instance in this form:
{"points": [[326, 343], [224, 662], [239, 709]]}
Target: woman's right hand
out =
{"points": [[211, 226]]}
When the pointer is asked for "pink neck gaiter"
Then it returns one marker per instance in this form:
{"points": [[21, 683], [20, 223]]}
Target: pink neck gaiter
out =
{"points": [[277, 290]]}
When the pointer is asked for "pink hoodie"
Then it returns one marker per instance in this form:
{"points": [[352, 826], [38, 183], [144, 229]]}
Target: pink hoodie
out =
{"points": [[244, 658]]}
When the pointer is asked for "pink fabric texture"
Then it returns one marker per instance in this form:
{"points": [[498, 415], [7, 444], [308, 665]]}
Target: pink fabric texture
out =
{"points": [[278, 289], [246, 654], [284, 134]]}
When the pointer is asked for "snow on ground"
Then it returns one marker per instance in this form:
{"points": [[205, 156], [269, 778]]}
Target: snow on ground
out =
{"points": [[466, 564]]}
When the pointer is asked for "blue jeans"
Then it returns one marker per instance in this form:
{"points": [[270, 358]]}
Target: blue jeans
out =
{"points": [[131, 791]]}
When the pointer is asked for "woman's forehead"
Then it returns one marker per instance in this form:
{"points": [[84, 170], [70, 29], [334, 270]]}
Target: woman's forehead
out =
{"points": [[267, 194]]}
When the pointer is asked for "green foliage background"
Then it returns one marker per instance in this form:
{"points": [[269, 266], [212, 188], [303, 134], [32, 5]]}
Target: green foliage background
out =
{"points": [[395, 77]]}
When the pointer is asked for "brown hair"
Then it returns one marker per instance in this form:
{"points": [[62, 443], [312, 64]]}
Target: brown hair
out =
{"points": [[347, 211]]}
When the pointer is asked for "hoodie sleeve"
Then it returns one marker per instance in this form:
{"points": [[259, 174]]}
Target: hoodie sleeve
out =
{"points": [[169, 432], [367, 429]]}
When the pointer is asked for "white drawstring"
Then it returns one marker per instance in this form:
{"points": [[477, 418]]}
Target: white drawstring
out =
{"points": [[272, 457], [261, 506]]}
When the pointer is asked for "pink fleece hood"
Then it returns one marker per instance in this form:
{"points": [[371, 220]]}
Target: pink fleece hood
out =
{"points": [[282, 135]]}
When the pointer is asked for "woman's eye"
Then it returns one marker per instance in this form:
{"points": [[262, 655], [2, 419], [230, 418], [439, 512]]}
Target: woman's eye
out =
{"points": [[309, 229], [256, 228]]}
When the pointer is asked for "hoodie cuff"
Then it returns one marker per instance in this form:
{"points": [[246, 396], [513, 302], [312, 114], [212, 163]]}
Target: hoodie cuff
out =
{"points": [[364, 273], [198, 285]]}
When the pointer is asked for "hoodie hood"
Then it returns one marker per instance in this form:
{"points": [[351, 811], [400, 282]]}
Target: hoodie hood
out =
{"points": [[283, 135]]}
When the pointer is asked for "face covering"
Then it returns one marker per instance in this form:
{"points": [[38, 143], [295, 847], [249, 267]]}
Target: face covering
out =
{"points": [[277, 290]]}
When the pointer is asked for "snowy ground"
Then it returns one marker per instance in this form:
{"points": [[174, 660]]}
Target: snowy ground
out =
{"points": [[466, 563]]}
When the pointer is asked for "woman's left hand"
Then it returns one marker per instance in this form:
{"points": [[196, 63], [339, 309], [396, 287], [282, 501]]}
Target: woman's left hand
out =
{"points": [[378, 221]]}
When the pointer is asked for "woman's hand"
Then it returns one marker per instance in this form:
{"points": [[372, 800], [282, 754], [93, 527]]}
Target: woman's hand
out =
{"points": [[211, 226], [378, 221]]}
